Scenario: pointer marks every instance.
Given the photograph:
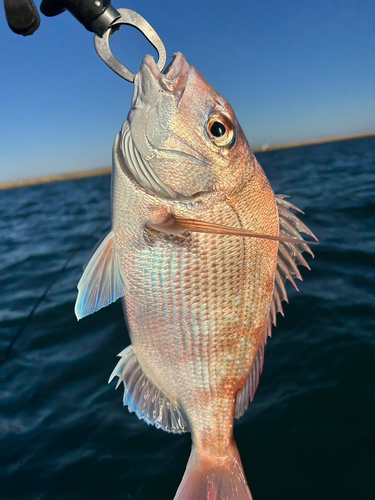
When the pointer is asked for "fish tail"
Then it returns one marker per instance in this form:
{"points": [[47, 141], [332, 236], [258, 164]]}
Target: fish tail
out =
{"points": [[214, 478]]}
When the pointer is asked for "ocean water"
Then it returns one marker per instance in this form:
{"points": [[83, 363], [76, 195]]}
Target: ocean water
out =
{"points": [[310, 432]]}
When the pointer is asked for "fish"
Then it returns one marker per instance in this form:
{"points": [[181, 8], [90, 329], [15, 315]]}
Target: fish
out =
{"points": [[199, 251]]}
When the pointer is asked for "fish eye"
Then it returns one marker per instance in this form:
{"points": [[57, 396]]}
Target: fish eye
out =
{"points": [[217, 129], [220, 130]]}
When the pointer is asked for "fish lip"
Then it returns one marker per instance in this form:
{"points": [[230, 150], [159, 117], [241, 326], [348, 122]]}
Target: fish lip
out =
{"points": [[175, 76]]}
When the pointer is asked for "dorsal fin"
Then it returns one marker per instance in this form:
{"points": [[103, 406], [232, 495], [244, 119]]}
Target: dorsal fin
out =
{"points": [[289, 256], [144, 398], [102, 282]]}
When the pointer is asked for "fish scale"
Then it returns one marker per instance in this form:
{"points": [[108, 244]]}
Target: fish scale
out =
{"points": [[198, 238], [205, 265]]}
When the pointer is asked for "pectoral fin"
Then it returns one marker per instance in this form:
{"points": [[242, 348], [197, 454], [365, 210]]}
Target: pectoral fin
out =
{"points": [[102, 282], [176, 225]]}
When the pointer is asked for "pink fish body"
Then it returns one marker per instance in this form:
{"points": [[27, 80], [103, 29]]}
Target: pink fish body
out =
{"points": [[200, 249]]}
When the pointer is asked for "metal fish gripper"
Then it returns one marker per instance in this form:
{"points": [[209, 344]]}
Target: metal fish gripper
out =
{"points": [[134, 19]]}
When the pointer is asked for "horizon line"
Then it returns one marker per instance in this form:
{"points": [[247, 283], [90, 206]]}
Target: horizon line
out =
{"points": [[100, 172]]}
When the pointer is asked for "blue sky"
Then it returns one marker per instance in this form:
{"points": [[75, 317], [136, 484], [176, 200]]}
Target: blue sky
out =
{"points": [[292, 70]]}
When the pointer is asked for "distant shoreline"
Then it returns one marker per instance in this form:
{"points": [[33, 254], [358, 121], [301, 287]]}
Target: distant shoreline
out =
{"points": [[47, 179], [99, 172], [312, 142]]}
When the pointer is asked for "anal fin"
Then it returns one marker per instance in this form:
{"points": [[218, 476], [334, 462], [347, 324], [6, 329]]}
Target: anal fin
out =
{"points": [[142, 397]]}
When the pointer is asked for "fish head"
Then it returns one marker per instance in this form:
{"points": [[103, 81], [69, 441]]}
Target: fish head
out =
{"points": [[182, 135]]}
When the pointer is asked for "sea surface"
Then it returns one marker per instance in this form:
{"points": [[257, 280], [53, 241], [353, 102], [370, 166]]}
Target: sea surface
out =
{"points": [[310, 432]]}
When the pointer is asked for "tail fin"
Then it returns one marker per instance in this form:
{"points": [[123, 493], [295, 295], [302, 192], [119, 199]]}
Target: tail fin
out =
{"points": [[214, 478]]}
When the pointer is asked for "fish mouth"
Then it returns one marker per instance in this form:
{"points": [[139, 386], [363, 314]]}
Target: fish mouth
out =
{"points": [[175, 76]]}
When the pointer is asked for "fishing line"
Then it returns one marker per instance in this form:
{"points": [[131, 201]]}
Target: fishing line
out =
{"points": [[42, 297]]}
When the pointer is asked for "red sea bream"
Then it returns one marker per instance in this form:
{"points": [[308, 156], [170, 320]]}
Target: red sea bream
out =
{"points": [[200, 249]]}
